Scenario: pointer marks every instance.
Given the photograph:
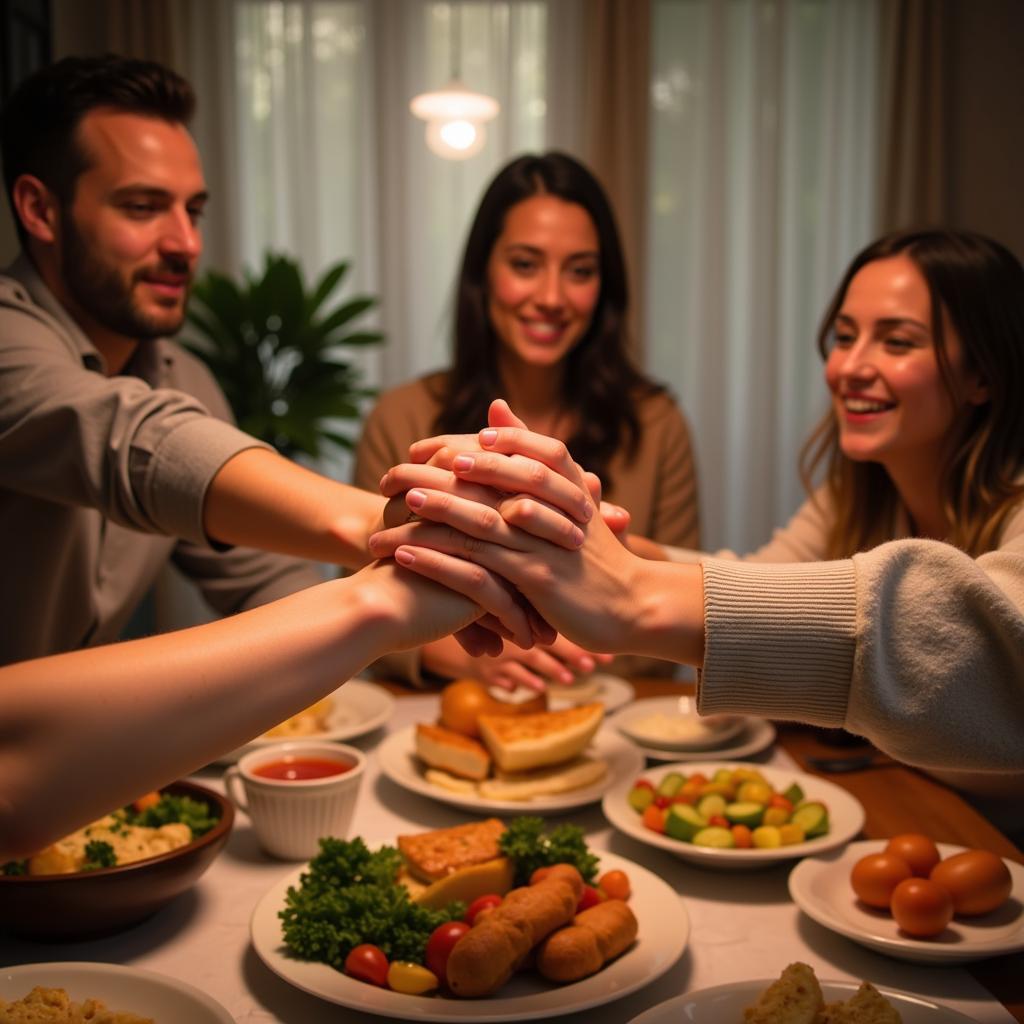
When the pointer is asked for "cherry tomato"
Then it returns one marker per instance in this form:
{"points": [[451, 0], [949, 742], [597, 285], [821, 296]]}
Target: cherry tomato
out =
{"points": [[412, 979], [590, 898], [654, 819], [742, 836], [662, 801], [440, 943], [615, 885], [643, 784], [720, 820], [488, 902], [875, 876], [779, 801], [540, 874], [922, 908], [917, 850], [977, 880], [367, 963]]}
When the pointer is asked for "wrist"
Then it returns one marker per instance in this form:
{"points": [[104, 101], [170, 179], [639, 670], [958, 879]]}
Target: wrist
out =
{"points": [[669, 618]]}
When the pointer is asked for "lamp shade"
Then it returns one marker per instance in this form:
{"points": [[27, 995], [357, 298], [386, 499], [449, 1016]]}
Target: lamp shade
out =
{"points": [[455, 119]]}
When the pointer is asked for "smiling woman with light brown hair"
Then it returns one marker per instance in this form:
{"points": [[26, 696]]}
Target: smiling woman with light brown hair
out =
{"points": [[892, 604]]}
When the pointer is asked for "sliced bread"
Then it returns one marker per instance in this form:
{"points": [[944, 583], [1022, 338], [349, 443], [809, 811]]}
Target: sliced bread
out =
{"points": [[523, 742], [452, 752]]}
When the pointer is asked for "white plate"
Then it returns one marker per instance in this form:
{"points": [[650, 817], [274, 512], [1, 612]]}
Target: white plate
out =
{"points": [[820, 887], [612, 691], [124, 989], [710, 734], [845, 813], [755, 736], [664, 931], [723, 1003], [398, 761], [356, 708]]}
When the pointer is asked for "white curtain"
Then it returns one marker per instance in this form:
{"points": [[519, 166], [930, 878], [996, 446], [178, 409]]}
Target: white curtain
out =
{"points": [[763, 186], [762, 155]]}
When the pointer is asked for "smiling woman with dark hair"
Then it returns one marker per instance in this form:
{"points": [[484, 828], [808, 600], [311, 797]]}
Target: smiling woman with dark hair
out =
{"points": [[541, 310]]}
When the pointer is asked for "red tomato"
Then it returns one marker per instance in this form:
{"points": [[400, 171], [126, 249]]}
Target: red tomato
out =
{"points": [[720, 820], [662, 801], [875, 876], [917, 850], [684, 798], [488, 902], [440, 943], [977, 880], [540, 874], [742, 837], [922, 908], [367, 963], [615, 885], [590, 898], [778, 800], [654, 819], [643, 784]]}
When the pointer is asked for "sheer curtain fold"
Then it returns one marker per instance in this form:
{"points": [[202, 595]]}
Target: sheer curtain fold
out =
{"points": [[917, 64]]}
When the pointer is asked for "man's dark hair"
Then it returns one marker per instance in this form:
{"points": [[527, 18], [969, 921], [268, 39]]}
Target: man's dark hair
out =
{"points": [[39, 121]]}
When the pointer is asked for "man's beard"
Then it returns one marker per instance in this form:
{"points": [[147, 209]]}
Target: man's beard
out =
{"points": [[102, 293]]}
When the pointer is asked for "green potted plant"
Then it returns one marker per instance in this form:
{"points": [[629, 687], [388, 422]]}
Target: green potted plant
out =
{"points": [[278, 352]]}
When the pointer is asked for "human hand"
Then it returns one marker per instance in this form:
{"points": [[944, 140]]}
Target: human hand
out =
{"points": [[543, 666]]}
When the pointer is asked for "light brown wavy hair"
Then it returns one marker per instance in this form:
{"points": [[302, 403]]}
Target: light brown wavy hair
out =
{"points": [[977, 289]]}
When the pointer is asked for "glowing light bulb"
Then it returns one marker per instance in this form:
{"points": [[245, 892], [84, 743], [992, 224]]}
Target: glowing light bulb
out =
{"points": [[455, 120]]}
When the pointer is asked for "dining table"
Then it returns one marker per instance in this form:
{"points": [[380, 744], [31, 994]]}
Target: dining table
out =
{"points": [[743, 924]]}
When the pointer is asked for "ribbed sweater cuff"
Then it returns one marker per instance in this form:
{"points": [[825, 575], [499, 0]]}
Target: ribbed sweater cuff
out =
{"points": [[779, 639]]}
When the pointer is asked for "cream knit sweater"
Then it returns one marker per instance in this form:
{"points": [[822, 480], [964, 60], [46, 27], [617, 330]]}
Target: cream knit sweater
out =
{"points": [[913, 644]]}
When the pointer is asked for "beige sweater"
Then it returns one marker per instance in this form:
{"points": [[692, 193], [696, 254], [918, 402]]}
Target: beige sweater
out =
{"points": [[913, 644]]}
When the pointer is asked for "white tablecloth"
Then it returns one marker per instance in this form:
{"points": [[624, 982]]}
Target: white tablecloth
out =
{"points": [[743, 924]]}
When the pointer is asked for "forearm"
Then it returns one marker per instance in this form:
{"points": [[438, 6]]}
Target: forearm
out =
{"points": [[84, 732], [259, 499]]}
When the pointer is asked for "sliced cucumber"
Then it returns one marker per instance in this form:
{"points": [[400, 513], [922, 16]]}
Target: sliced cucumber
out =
{"points": [[671, 784], [745, 812], [812, 817], [794, 794], [682, 821], [712, 804], [714, 836], [640, 798]]}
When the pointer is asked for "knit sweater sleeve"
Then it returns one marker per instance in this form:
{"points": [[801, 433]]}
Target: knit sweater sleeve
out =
{"points": [[913, 644]]}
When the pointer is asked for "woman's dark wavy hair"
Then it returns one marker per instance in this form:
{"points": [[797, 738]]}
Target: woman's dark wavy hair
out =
{"points": [[601, 383], [39, 121], [977, 289]]}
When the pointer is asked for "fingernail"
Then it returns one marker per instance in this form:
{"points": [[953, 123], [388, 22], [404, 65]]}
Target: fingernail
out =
{"points": [[404, 557], [588, 512], [565, 677], [463, 462], [577, 536], [380, 486], [488, 437], [587, 663], [417, 499]]}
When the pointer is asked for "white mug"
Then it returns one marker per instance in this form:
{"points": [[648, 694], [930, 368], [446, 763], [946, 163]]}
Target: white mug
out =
{"points": [[291, 814]]}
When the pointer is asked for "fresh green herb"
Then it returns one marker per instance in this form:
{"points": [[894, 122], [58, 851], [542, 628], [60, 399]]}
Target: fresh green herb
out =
{"points": [[525, 843], [349, 896], [98, 854], [194, 813], [15, 867]]}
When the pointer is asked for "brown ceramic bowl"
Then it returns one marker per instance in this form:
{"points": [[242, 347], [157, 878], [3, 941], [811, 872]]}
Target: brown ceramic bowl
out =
{"points": [[91, 903]]}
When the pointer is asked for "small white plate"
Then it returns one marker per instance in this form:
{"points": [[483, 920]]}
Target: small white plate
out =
{"points": [[611, 691], [663, 933], [756, 735], [845, 813], [820, 887], [723, 1003], [398, 761], [122, 989], [357, 708], [703, 734]]}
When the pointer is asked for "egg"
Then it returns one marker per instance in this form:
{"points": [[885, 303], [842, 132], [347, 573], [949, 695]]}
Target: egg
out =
{"points": [[917, 850], [978, 881], [875, 876], [921, 907]]}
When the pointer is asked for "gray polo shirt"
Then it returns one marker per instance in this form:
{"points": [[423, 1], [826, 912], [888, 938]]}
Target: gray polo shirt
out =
{"points": [[102, 481]]}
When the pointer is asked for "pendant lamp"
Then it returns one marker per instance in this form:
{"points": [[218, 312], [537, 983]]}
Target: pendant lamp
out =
{"points": [[455, 115]]}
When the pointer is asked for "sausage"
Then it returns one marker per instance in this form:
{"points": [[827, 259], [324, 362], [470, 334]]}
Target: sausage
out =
{"points": [[597, 935], [498, 943]]}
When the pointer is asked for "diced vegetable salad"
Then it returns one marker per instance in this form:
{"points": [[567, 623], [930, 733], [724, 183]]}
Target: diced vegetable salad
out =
{"points": [[736, 808]]}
